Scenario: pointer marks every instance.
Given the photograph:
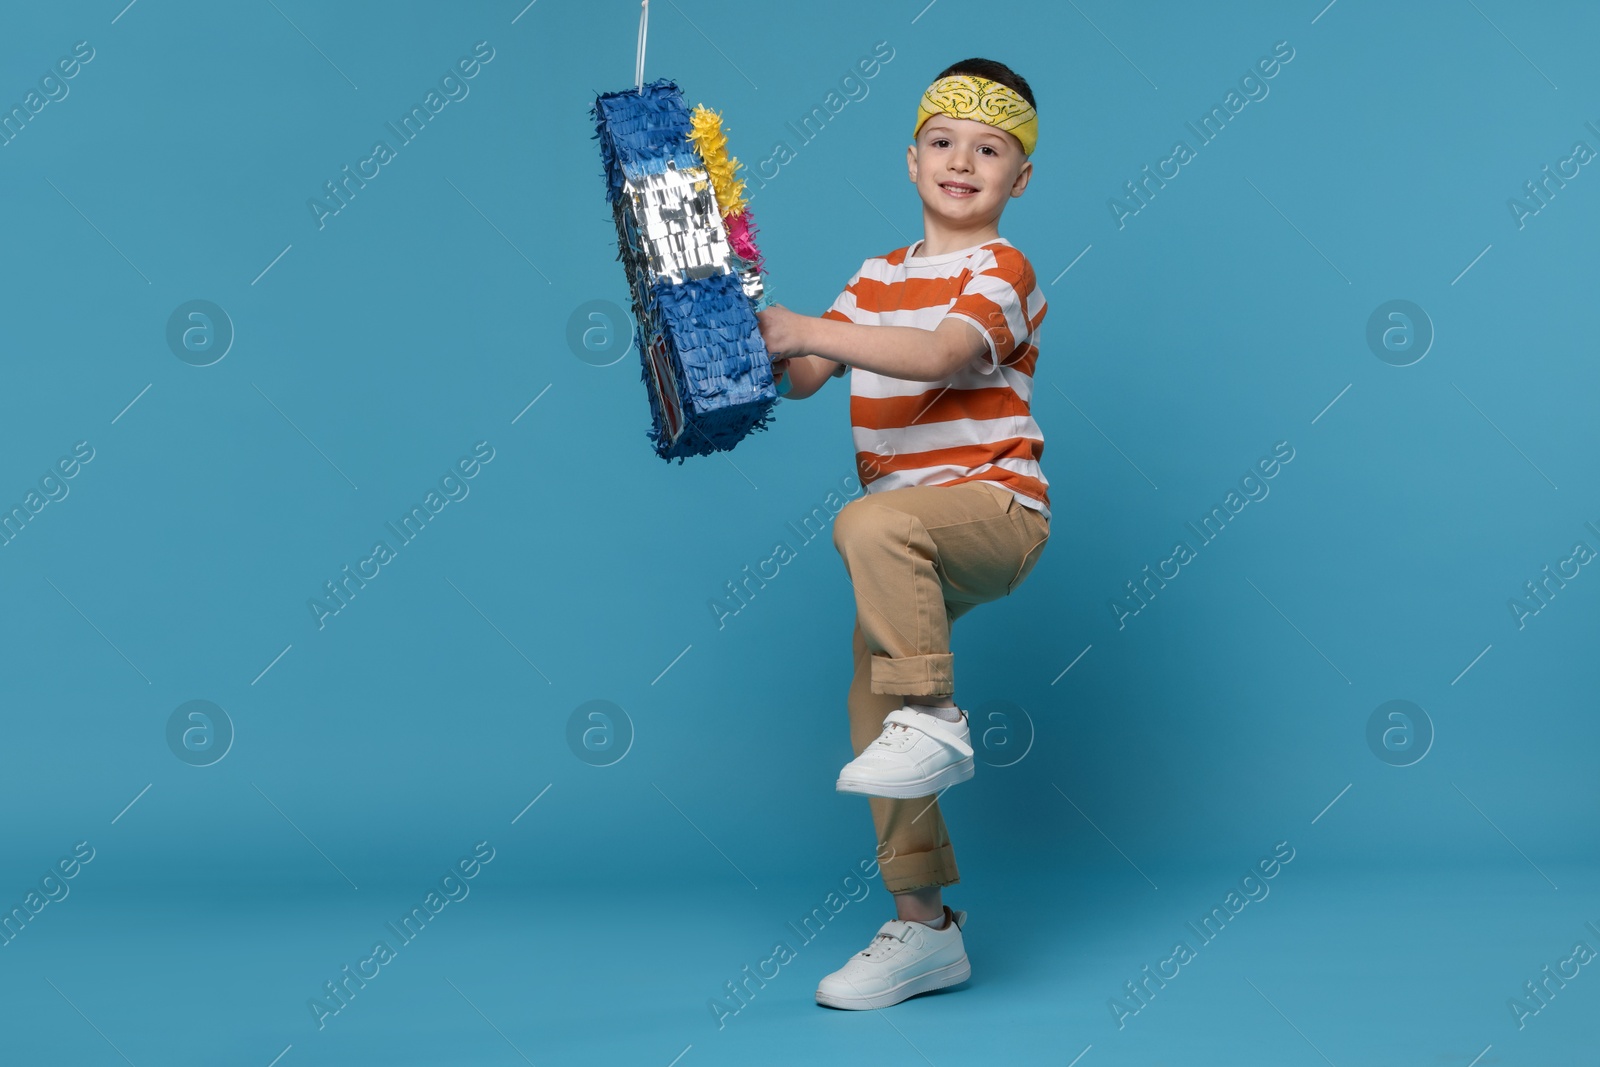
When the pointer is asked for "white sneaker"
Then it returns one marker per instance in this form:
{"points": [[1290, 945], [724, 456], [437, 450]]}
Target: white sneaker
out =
{"points": [[917, 755], [904, 959]]}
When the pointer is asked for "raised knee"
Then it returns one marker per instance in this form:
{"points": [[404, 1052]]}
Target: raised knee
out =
{"points": [[858, 521]]}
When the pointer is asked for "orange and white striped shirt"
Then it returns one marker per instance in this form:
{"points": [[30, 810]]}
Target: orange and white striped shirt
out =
{"points": [[975, 424]]}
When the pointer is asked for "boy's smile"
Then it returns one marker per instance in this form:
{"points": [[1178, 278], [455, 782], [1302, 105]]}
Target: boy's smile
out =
{"points": [[965, 171]]}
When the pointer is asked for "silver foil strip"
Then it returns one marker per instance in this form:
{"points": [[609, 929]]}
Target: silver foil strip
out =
{"points": [[680, 231]]}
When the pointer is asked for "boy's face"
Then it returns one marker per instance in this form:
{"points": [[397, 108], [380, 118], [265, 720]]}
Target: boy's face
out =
{"points": [[965, 170]]}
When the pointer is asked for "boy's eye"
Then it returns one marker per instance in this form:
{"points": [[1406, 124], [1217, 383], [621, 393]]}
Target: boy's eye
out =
{"points": [[941, 142]]}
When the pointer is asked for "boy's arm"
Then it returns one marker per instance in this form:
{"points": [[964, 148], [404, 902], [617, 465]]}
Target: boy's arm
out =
{"points": [[907, 352], [817, 346], [807, 374]]}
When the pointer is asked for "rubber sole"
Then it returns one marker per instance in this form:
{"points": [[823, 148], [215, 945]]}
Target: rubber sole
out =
{"points": [[922, 787], [948, 975]]}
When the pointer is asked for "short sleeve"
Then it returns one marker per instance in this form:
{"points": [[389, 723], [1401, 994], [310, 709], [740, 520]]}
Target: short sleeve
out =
{"points": [[995, 301], [844, 309]]}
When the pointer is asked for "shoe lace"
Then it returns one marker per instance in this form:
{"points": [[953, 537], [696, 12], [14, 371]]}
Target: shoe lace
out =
{"points": [[878, 946], [886, 943], [897, 736]]}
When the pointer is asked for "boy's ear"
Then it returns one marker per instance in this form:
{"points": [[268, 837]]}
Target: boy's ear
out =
{"points": [[911, 162], [1022, 178]]}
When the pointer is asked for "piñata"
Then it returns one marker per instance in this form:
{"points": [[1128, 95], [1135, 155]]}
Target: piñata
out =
{"points": [[686, 241]]}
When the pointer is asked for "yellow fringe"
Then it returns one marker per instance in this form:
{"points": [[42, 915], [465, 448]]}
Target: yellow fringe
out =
{"points": [[705, 130]]}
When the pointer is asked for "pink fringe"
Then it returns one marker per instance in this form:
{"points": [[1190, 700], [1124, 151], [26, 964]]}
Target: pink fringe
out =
{"points": [[741, 234]]}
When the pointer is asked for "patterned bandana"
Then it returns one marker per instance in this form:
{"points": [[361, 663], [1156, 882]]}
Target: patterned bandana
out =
{"points": [[967, 96]]}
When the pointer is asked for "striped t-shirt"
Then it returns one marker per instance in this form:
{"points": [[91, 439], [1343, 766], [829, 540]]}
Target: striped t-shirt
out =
{"points": [[975, 424]]}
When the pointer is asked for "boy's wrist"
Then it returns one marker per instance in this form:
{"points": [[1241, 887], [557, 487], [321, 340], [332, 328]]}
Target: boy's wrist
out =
{"points": [[812, 330], [823, 338]]}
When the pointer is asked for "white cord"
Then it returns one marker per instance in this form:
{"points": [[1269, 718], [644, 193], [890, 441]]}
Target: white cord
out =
{"points": [[644, 24]]}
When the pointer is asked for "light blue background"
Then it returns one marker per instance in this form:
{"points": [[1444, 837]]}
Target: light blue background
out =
{"points": [[431, 312]]}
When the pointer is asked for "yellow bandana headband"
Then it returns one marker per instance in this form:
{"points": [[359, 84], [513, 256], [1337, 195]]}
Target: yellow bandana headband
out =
{"points": [[967, 96]]}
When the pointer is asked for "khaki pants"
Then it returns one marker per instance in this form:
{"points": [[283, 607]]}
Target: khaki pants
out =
{"points": [[919, 558]]}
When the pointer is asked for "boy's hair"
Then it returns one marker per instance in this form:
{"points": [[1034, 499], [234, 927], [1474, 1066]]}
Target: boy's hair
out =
{"points": [[995, 72]]}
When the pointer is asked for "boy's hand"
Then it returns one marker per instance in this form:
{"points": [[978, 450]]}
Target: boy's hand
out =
{"points": [[782, 331]]}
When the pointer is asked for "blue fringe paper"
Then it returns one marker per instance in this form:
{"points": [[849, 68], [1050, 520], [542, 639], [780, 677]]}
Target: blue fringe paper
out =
{"points": [[639, 132], [722, 370], [716, 362]]}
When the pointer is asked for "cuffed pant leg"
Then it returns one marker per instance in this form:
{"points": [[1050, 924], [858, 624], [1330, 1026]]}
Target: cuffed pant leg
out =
{"points": [[918, 554], [919, 557], [913, 844], [890, 558]]}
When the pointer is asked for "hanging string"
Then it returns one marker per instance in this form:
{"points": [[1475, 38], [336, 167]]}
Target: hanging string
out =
{"points": [[644, 24]]}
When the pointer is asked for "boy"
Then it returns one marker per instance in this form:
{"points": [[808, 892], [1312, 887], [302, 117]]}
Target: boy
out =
{"points": [[941, 338]]}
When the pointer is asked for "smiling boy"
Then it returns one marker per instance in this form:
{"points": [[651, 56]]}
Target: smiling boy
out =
{"points": [[941, 337]]}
